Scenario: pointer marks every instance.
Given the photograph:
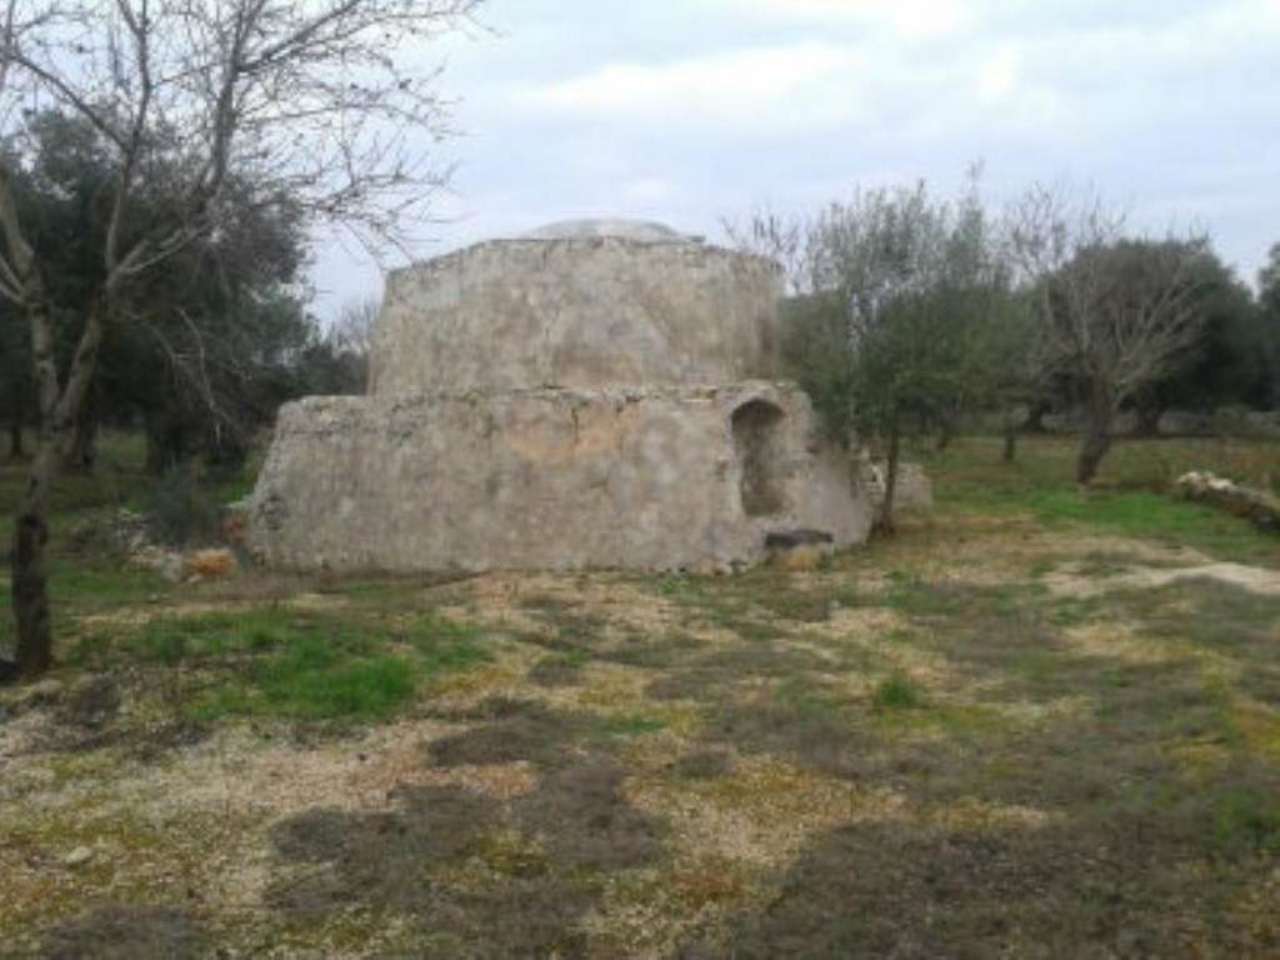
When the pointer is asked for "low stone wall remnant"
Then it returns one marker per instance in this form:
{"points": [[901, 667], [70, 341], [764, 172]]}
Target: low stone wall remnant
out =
{"points": [[1258, 507]]}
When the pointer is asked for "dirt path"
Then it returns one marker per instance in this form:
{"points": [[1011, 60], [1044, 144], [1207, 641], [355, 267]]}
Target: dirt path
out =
{"points": [[1257, 580]]}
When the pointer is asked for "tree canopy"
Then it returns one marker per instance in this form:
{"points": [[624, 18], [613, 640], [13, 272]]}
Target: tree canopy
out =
{"points": [[906, 318]]}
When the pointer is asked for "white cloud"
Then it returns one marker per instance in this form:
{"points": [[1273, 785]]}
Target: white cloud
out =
{"points": [[762, 86], [916, 19], [998, 76], [647, 191]]}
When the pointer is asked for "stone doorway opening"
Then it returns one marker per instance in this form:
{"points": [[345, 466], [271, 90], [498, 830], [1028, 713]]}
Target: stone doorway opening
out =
{"points": [[756, 440]]}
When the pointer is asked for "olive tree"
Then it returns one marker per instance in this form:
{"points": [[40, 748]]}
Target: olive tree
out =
{"points": [[1115, 313], [318, 104], [905, 318]]}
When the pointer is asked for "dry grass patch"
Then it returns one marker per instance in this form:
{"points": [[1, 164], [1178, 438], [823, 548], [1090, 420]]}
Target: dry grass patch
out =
{"points": [[134, 856], [652, 913], [759, 811], [1080, 581], [1123, 641], [120, 932], [1259, 726]]}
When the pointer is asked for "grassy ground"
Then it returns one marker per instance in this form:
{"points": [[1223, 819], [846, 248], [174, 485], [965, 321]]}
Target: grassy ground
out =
{"points": [[1035, 724]]}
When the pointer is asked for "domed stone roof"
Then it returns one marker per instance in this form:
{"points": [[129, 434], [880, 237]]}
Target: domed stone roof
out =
{"points": [[644, 231], [578, 308]]}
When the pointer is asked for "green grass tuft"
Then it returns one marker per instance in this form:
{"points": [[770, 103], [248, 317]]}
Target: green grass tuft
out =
{"points": [[311, 682], [444, 645], [897, 692], [631, 725], [276, 662], [208, 637], [1248, 818]]}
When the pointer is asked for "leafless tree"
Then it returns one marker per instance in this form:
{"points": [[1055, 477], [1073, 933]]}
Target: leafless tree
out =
{"points": [[1115, 312], [310, 101]]}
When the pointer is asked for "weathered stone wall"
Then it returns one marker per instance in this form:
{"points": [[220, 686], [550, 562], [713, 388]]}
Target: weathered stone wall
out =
{"points": [[576, 312], [650, 478]]}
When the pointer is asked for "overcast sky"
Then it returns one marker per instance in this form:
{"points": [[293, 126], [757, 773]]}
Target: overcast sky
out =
{"points": [[688, 111]]}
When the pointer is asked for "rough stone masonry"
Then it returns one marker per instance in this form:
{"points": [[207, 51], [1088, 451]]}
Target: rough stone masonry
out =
{"points": [[595, 394]]}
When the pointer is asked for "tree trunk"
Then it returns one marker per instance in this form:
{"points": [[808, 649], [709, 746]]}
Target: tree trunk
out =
{"points": [[225, 453], [885, 521], [166, 442], [81, 452], [30, 588], [946, 433], [1148, 424], [155, 444], [19, 407], [1271, 360], [1096, 440], [1035, 416], [1010, 426], [58, 410]]}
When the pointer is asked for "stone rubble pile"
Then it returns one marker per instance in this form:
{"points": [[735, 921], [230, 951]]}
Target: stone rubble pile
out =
{"points": [[128, 532], [1260, 508]]}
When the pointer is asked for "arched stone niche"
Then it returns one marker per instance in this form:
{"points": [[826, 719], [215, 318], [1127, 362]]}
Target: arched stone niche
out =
{"points": [[757, 437]]}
